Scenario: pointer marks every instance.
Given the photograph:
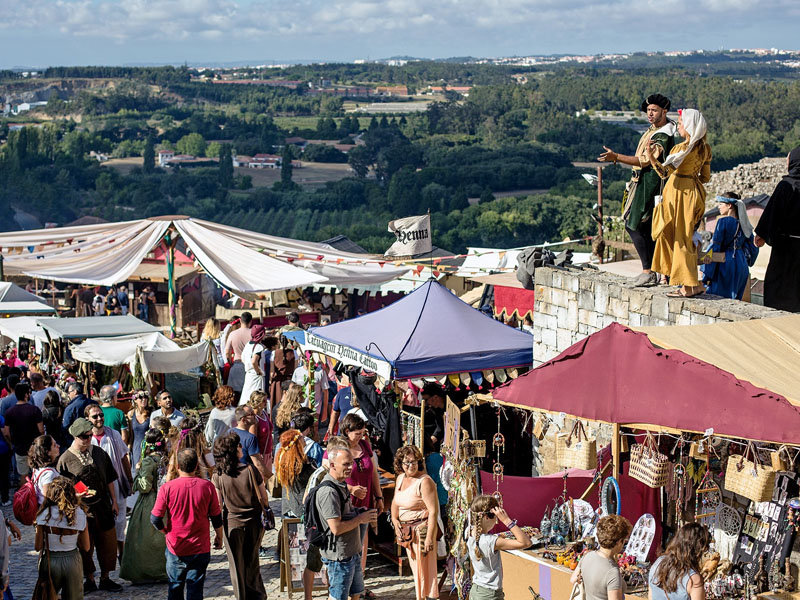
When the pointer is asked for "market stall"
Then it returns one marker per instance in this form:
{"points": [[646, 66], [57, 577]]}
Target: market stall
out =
{"points": [[680, 439], [429, 335], [16, 301]]}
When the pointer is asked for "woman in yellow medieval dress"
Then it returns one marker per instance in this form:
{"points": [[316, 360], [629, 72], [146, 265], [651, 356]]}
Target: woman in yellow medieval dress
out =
{"points": [[676, 218]]}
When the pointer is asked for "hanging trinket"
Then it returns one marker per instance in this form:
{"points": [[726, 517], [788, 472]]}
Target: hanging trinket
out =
{"points": [[497, 474]]}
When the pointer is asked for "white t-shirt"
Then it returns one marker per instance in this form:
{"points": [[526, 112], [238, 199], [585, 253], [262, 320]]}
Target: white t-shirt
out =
{"points": [[41, 478], [488, 570], [62, 543], [38, 396], [300, 377]]}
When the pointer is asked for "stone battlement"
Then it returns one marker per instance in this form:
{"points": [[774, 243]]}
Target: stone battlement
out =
{"points": [[572, 304]]}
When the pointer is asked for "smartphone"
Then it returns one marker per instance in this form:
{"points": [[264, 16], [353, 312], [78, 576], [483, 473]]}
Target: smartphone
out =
{"points": [[81, 488]]}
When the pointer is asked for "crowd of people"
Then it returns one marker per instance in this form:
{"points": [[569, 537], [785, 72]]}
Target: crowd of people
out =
{"points": [[665, 202]]}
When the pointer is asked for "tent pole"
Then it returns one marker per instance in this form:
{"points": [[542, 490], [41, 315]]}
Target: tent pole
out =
{"points": [[171, 308], [615, 450], [422, 425]]}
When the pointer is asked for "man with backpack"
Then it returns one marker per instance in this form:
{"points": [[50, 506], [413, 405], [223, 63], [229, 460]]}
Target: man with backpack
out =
{"points": [[335, 526]]}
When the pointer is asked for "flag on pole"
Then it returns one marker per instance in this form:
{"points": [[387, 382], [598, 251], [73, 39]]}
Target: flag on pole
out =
{"points": [[413, 236]]}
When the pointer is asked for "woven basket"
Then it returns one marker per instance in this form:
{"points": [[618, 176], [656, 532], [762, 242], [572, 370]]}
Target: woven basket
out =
{"points": [[648, 465], [749, 478], [575, 450]]}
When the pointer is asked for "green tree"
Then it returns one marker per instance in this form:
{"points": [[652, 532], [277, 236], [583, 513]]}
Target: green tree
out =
{"points": [[286, 167], [225, 166], [192, 143], [213, 149], [149, 155], [359, 159]]}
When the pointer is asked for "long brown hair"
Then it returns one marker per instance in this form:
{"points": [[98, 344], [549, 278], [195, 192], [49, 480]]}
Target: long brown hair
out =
{"points": [[291, 457], [290, 402], [682, 556], [481, 507], [61, 494]]}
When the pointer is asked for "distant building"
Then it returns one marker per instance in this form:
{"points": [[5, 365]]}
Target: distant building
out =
{"points": [[241, 160], [392, 90], [265, 161], [164, 156], [463, 90]]}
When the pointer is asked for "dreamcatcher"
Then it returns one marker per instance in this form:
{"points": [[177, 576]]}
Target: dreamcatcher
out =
{"points": [[707, 500], [677, 488], [499, 444]]}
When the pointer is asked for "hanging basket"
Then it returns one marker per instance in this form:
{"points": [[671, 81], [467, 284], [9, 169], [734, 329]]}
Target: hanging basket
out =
{"points": [[575, 450], [648, 465], [749, 478]]}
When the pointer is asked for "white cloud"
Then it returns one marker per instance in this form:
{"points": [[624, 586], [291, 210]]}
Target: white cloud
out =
{"points": [[483, 23]]}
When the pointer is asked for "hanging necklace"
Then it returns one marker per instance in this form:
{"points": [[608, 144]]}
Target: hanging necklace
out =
{"points": [[499, 443]]}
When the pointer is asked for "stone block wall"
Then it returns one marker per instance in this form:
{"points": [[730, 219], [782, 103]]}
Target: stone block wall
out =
{"points": [[572, 304]]}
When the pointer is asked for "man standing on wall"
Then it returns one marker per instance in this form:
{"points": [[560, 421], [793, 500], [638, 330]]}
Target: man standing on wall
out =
{"points": [[645, 184]]}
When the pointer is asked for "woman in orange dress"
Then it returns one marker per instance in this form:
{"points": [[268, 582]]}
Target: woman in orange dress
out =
{"points": [[677, 217], [415, 510]]}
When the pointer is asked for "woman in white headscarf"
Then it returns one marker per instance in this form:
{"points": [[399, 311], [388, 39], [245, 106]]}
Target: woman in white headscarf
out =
{"points": [[676, 218], [733, 236]]}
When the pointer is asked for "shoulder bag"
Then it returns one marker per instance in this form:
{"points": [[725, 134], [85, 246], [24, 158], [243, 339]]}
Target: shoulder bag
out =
{"points": [[44, 588]]}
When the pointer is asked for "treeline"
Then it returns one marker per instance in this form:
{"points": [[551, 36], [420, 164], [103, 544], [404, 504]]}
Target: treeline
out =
{"points": [[154, 75]]}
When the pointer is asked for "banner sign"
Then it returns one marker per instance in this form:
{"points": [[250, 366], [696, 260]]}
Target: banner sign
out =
{"points": [[413, 236], [347, 355]]}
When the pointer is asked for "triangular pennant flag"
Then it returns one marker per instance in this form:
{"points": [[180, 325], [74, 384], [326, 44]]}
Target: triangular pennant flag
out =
{"points": [[436, 273], [300, 255], [436, 261], [477, 377], [454, 379], [31, 248]]}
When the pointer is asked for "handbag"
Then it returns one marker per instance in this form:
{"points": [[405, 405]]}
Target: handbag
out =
{"points": [[648, 465], [267, 516], [44, 588], [578, 589], [576, 450]]}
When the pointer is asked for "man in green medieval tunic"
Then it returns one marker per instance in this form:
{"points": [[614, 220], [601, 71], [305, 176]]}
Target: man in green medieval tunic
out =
{"points": [[645, 184]]}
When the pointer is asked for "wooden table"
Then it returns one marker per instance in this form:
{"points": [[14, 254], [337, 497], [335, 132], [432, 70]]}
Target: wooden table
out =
{"points": [[527, 576]]}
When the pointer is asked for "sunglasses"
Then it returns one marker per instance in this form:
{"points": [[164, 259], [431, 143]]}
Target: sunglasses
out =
{"points": [[85, 436], [97, 416]]}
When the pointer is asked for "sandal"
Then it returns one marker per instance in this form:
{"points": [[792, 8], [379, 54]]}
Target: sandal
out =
{"points": [[368, 595]]}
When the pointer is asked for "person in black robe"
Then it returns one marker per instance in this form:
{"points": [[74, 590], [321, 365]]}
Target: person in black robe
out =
{"points": [[779, 227]]}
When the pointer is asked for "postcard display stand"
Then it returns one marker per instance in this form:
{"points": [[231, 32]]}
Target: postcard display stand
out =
{"points": [[764, 529], [293, 559]]}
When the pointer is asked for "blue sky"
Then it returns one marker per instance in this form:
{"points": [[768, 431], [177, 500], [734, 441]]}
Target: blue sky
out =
{"points": [[75, 32]]}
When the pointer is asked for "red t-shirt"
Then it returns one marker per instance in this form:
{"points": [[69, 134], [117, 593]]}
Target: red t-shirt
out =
{"points": [[188, 503]]}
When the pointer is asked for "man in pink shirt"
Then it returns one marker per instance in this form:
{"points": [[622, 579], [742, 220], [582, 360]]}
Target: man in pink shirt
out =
{"points": [[234, 344], [188, 503]]}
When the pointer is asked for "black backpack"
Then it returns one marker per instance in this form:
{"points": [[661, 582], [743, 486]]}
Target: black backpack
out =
{"points": [[317, 531]]}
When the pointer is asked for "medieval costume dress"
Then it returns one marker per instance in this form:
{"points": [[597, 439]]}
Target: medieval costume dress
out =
{"points": [[729, 279], [675, 220], [780, 228], [645, 184]]}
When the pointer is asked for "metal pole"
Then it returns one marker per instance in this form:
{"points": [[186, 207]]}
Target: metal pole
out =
{"points": [[600, 206], [2, 273]]}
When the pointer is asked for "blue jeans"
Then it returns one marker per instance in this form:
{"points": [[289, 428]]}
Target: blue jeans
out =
{"points": [[188, 571], [345, 577]]}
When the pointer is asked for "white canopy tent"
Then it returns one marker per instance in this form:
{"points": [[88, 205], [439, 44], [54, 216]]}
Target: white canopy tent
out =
{"points": [[94, 327], [16, 301], [112, 351], [246, 263], [15, 328], [156, 353]]}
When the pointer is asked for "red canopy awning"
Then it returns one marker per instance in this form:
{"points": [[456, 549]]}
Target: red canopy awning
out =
{"points": [[616, 375], [513, 300]]}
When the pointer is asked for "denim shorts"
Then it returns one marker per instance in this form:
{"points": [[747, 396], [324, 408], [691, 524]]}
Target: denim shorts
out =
{"points": [[345, 577]]}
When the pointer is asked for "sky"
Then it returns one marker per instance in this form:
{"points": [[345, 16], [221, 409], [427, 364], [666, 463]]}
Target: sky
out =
{"points": [[41, 33]]}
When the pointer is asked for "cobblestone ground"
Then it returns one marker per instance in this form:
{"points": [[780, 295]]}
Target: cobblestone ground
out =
{"points": [[381, 576]]}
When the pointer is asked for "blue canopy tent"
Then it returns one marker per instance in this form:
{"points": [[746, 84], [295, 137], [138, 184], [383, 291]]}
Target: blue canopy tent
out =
{"points": [[429, 332]]}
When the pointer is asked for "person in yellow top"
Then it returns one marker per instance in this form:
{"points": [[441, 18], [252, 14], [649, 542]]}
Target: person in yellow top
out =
{"points": [[677, 217]]}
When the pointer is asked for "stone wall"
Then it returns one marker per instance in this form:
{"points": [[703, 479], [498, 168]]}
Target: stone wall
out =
{"points": [[747, 180], [572, 304]]}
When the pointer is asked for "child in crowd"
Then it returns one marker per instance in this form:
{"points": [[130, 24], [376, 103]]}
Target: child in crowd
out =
{"points": [[484, 548]]}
